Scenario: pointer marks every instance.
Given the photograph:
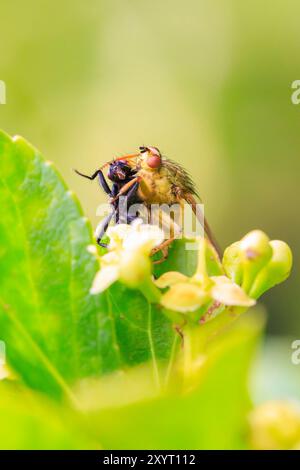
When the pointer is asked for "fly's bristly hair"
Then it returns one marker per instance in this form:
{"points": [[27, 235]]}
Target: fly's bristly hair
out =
{"points": [[180, 177]]}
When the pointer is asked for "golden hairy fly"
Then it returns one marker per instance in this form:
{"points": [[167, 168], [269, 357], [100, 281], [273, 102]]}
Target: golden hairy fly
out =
{"points": [[164, 185], [164, 181]]}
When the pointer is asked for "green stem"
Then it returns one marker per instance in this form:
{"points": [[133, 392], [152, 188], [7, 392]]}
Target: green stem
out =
{"points": [[150, 291], [212, 328], [172, 361], [248, 279], [197, 337]]}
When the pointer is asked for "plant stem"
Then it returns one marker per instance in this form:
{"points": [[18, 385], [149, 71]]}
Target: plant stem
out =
{"points": [[150, 291], [197, 337], [212, 328]]}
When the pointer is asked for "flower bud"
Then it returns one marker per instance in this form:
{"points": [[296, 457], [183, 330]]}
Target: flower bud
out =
{"points": [[232, 263], [134, 268], [276, 271], [275, 425], [255, 252]]}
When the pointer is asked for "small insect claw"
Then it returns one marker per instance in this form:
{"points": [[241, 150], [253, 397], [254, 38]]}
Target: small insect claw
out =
{"points": [[164, 248]]}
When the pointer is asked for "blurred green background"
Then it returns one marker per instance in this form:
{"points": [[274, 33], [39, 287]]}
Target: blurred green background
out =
{"points": [[208, 82]]}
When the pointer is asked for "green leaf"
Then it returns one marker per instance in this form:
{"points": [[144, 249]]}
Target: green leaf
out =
{"points": [[185, 260], [179, 259], [142, 331], [54, 330], [30, 421], [212, 415], [56, 333]]}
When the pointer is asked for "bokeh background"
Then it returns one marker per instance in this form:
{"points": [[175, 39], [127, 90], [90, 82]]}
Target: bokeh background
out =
{"points": [[208, 82]]}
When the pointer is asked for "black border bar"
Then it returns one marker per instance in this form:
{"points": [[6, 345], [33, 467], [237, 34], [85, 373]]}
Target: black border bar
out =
{"points": [[137, 458]]}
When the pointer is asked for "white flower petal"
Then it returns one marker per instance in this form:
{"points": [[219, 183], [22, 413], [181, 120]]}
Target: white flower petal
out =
{"points": [[118, 231], [116, 235], [104, 279], [228, 293], [136, 223], [128, 255], [144, 238], [110, 258], [92, 249]]}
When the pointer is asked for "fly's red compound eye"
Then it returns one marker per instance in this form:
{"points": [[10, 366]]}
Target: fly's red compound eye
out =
{"points": [[154, 158], [154, 161]]}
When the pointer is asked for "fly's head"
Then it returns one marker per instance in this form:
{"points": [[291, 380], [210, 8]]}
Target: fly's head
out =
{"points": [[150, 158]]}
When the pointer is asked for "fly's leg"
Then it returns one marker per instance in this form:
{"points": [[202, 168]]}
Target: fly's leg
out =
{"points": [[164, 244], [132, 192], [164, 249], [132, 185], [165, 254]]}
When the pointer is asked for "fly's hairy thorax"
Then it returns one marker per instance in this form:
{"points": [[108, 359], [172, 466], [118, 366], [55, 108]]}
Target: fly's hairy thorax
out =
{"points": [[156, 187]]}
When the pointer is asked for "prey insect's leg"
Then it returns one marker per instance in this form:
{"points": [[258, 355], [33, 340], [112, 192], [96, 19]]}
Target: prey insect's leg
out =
{"points": [[89, 177], [103, 183], [131, 218], [127, 220], [126, 203], [102, 227], [114, 190], [102, 180]]}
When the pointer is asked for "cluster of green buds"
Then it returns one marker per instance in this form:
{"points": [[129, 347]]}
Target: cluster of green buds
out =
{"points": [[256, 263], [248, 268]]}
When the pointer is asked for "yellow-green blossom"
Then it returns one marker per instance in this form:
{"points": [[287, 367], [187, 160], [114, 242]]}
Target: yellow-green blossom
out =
{"points": [[128, 257], [249, 267], [229, 293], [188, 294]]}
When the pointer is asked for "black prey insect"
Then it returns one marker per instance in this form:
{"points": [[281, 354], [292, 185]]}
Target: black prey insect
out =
{"points": [[120, 174]]}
